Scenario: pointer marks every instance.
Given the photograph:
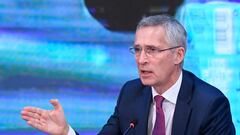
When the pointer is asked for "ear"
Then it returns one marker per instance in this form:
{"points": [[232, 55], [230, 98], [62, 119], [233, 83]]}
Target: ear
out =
{"points": [[179, 55]]}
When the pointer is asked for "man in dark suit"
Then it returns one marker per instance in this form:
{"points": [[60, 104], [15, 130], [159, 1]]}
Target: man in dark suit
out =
{"points": [[166, 100]]}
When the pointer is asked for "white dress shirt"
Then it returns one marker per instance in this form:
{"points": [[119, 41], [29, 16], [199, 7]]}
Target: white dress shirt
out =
{"points": [[71, 131], [168, 105]]}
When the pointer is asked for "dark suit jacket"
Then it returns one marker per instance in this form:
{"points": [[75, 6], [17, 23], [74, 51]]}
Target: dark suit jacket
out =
{"points": [[201, 109]]}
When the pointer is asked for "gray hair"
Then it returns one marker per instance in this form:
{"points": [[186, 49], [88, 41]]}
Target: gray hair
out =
{"points": [[176, 34]]}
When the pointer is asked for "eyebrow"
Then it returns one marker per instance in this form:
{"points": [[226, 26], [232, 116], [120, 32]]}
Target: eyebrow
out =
{"points": [[146, 45]]}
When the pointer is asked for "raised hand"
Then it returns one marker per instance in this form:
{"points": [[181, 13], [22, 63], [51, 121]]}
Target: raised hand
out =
{"points": [[49, 121]]}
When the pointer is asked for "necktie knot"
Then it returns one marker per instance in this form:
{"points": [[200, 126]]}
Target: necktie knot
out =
{"points": [[159, 100]]}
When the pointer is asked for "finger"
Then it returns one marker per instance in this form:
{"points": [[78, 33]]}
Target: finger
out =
{"points": [[37, 124], [26, 118], [26, 113], [36, 115], [34, 118], [56, 104], [39, 111], [29, 113], [29, 116], [29, 109], [32, 109]]}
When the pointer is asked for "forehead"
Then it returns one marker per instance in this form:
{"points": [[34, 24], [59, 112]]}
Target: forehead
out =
{"points": [[150, 35]]}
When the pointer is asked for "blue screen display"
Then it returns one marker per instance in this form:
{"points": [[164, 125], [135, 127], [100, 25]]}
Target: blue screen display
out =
{"points": [[56, 49]]}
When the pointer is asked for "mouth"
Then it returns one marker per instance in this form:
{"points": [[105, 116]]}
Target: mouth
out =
{"points": [[145, 73]]}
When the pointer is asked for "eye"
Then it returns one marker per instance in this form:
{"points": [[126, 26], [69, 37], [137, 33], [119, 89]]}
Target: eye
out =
{"points": [[151, 49], [137, 49]]}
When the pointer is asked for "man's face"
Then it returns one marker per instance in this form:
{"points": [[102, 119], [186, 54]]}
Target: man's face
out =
{"points": [[159, 69]]}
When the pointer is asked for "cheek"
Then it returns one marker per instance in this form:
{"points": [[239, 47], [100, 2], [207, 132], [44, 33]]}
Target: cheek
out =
{"points": [[158, 68], [161, 68], [159, 71]]}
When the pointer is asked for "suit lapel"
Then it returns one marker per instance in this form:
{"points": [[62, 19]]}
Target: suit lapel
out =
{"points": [[143, 103], [183, 109]]}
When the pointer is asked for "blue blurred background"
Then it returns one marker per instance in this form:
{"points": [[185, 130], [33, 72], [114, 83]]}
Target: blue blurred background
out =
{"points": [[77, 51]]}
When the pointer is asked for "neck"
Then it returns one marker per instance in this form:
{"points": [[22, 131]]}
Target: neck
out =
{"points": [[161, 88]]}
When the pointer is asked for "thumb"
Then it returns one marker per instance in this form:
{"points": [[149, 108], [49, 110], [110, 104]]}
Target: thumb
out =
{"points": [[56, 104]]}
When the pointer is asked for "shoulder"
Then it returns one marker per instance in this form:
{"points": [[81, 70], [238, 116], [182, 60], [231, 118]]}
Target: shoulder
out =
{"points": [[201, 87], [132, 86], [136, 83], [210, 107], [203, 92]]}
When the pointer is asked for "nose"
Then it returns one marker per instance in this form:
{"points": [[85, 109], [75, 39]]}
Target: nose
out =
{"points": [[142, 58]]}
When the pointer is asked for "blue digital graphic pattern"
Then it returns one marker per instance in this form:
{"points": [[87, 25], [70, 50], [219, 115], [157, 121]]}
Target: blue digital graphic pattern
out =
{"points": [[55, 49]]}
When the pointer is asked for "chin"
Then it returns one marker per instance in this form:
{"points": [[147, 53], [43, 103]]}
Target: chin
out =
{"points": [[147, 82]]}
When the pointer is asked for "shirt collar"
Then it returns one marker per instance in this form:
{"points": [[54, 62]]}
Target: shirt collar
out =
{"points": [[171, 93]]}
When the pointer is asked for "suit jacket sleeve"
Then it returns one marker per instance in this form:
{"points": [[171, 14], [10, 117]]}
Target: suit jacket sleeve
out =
{"points": [[218, 120]]}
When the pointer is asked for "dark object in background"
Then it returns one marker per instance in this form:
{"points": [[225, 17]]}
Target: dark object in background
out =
{"points": [[123, 15]]}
